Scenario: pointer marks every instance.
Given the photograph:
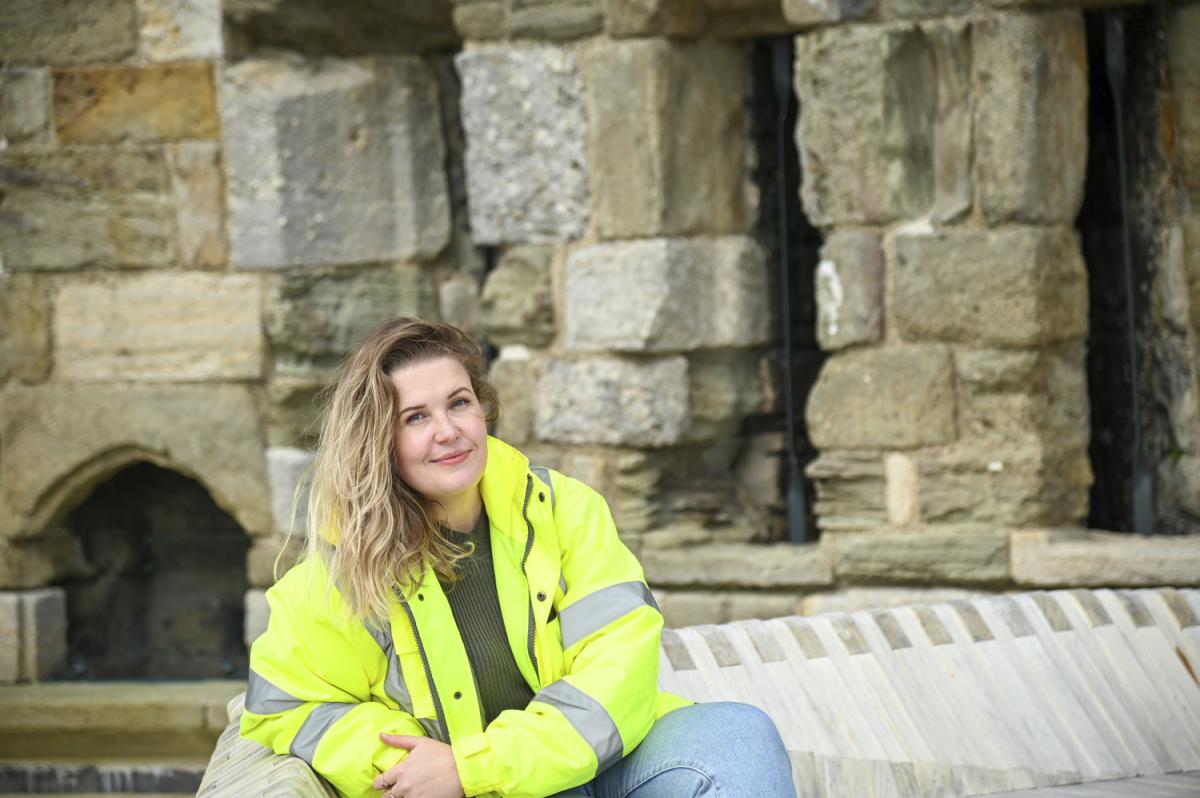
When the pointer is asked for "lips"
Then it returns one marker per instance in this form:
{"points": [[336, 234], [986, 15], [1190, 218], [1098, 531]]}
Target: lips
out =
{"points": [[454, 458]]}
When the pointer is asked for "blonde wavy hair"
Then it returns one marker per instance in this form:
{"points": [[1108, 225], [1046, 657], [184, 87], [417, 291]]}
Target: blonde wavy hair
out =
{"points": [[373, 532]]}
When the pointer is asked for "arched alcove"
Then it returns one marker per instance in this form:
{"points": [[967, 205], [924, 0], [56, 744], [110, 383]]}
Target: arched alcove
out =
{"points": [[158, 592]]}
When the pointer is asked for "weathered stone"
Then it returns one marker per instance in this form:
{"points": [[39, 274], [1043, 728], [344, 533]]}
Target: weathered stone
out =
{"points": [[1182, 28], [514, 378], [726, 386], [613, 400], [851, 490], [594, 470], [102, 105], [849, 290], [1022, 286], [1030, 116], [269, 557], [554, 19], [894, 398], [512, 97], [179, 30], [903, 489], [10, 632], [689, 608], [24, 107], [810, 13], [758, 471], [744, 605], [24, 328], [67, 32], [693, 294], [334, 162], [287, 468], [27, 564], [1086, 558], [199, 188], [87, 207], [746, 19], [962, 556], [61, 441], [728, 565], [646, 178], [518, 300], [678, 536], [459, 301], [257, 615], [953, 192], [43, 639], [1006, 395], [480, 21], [1018, 483], [313, 320], [624, 18], [159, 328], [853, 599], [865, 132], [293, 411], [910, 9]]}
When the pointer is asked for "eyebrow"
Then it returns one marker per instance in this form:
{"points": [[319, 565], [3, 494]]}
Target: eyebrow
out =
{"points": [[452, 394]]}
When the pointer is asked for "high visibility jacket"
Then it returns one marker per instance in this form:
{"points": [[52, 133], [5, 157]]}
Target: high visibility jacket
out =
{"points": [[580, 620]]}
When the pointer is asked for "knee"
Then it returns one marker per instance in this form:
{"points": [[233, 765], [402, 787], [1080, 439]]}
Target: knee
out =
{"points": [[747, 721]]}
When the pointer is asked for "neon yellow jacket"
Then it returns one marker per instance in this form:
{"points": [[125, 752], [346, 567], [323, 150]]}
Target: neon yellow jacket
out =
{"points": [[583, 628]]}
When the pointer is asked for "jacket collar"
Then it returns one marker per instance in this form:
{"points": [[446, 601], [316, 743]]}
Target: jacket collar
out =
{"points": [[503, 487]]}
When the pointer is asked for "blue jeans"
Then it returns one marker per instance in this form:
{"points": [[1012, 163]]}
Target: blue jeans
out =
{"points": [[721, 750]]}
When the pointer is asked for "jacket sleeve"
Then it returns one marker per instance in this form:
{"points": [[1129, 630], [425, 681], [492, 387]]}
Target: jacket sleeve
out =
{"points": [[605, 705], [309, 694]]}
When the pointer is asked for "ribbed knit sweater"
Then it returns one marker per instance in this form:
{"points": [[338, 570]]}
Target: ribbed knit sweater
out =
{"points": [[476, 607]]}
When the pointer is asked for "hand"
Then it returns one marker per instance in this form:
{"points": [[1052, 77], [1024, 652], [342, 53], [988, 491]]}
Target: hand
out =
{"points": [[427, 772]]}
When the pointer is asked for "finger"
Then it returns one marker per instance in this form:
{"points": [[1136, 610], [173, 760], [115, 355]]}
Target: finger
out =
{"points": [[406, 741]]}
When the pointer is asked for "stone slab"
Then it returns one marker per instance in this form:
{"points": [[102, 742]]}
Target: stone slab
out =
{"points": [[646, 178], [554, 19], [1022, 286], [849, 290], [25, 107], [512, 97], [198, 181], [513, 374], [179, 30], [617, 401], [717, 565], [853, 599], [286, 470], [105, 105], [893, 398], [24, 328], [43, 632], [10, 631], [812, 13], [294, 200], [258, 614], [962, 556], [1088, 558], [1030, 116], [701, 293], [624, 18], [518, 298], [67, 32], [159, 328], [61, 442], [851, 490]]}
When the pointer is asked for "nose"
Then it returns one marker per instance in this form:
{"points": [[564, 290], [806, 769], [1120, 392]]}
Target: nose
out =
{"points": [[444, 428]]}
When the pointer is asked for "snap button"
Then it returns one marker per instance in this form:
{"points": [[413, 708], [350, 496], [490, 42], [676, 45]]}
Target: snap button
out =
{"points": [[541, 496], [458, 694], [421, 596], [541, 596]]}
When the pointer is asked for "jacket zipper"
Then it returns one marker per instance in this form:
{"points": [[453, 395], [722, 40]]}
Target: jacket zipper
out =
{"points": [[437, 701], [528, 548]]}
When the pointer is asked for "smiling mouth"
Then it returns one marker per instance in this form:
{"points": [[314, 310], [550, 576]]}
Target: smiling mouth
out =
{"points": [[452, 459]]}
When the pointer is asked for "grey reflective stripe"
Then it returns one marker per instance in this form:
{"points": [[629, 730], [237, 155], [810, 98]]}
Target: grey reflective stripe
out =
{"points": [[433, 729], [600, 608], [264, 698], [543, 473], [562, 584], [393, 684], [589, 718], [304, 744]]}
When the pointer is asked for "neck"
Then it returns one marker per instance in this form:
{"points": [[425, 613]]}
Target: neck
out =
{"points": [[461, 513]]}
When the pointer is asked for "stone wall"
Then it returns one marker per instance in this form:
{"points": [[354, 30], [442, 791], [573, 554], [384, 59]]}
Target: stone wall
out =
{"points": [[203, 206]]}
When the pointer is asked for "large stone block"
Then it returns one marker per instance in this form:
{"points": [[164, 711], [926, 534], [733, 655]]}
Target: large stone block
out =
{"points": [[103, 105], [612, 400], [269, 557], [664, 295], [24, 328], [624, 18], [313, 320], [518, 298], [68, 32], [646, 178], [849, 290], [726, 386], [851, 490], [895, 398], [730, 565], [514, 377], [1030, 116], [87, 207], [25, 107], [554, 19], [159, 328], [61, 441], [956, 556], [43, 632], [293, 411], [526, 159], [257, 615], [1023, 286], [1182, 30], [10, 633], [853, 599], [812, 13], [1006, 395], [480, 20], [287, 472], [179, 30], [334, 162], [199, 188], [1085, 558]]}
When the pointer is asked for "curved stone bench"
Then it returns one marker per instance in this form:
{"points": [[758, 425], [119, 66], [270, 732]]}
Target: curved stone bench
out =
{"points": [[1005, 693]]}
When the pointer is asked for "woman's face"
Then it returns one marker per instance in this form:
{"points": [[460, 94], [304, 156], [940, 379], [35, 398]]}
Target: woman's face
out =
{"points": [[441, 433]]}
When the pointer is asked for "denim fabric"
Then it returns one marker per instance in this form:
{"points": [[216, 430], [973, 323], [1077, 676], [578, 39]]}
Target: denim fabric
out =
{"points": [[721, 750]]}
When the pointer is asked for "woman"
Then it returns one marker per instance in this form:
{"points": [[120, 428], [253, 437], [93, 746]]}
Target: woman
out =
{"points": [[464, 624]]}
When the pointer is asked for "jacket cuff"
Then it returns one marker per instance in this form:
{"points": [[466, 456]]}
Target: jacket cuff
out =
{"points": [[472, 757]]}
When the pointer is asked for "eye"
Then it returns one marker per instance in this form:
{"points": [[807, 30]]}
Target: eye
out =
{"points": [[414, 418], [460, 403]]}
